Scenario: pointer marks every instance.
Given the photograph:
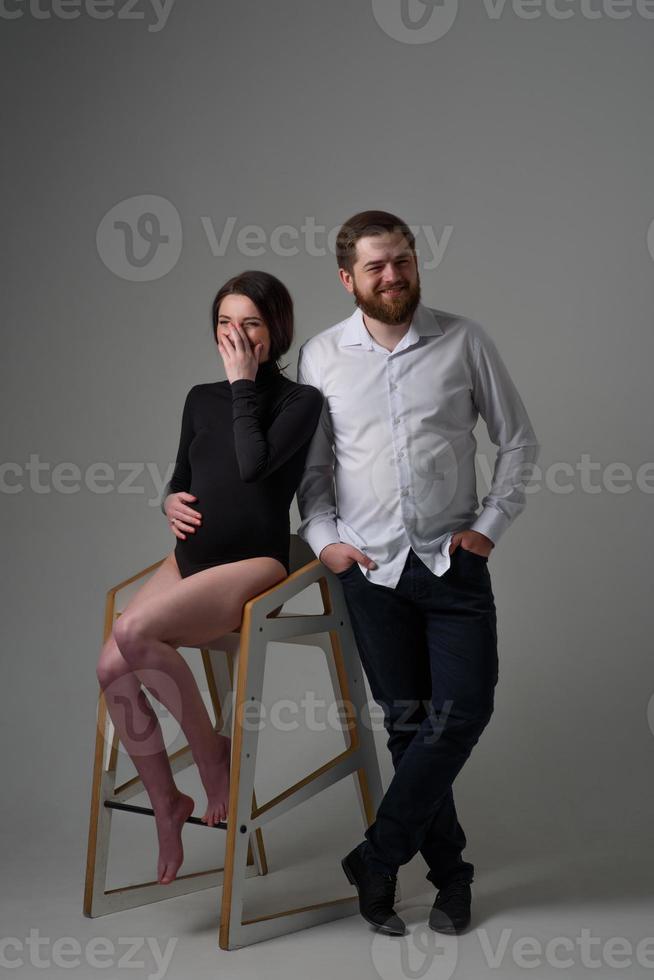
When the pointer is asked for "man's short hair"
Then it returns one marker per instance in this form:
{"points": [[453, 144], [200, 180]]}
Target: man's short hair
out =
{"points": [[363, 224]]}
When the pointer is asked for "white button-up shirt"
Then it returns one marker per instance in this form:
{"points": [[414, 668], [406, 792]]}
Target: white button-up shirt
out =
{"points": [[391, 465]]}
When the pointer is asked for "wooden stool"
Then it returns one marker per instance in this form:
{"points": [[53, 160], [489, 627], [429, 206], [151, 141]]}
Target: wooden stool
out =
{"points": [[242, 654]]}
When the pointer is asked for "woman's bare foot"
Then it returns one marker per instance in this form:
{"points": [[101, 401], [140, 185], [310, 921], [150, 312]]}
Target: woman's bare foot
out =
{"points": [[214, 772], [169, 822]]}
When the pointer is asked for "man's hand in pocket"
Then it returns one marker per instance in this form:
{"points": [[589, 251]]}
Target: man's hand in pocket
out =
{"points": [[338, 557], [473, 541]]}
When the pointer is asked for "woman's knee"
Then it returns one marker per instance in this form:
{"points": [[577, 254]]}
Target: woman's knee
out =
{"points": [[111, 664], [129, 636]]}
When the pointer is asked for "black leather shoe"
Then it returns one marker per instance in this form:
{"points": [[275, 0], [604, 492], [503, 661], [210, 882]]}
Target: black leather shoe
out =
{"points": [[450, 912], [376, 894]]}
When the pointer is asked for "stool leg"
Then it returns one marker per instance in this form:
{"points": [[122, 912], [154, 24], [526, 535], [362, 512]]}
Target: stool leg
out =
{"points": [[104, 781], [98, 815], [351, 687], [220, 681], [249, 688], [359, 759], [348, 683]]}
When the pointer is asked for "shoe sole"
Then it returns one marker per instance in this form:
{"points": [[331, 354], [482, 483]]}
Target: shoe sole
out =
{"points": [[452, 931], [380, 928]]}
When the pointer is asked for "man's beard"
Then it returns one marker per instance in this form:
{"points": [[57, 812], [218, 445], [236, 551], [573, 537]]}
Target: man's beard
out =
{"points": [[393, 309]]}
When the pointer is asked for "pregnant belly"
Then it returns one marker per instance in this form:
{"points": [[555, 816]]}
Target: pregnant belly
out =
{"points": [[216, 537], [242, 527]]}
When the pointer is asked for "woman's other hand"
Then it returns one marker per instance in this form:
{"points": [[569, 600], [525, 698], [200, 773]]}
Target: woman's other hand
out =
{"points": [[240, 359], [180, 516]]}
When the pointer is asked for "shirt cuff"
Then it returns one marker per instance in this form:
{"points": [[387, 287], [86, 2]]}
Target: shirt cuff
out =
{"points": [[492, 523], [320, 535], [242, 385]]}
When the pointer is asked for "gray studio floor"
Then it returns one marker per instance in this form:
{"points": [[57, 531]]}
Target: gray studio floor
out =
{"points": [[563, 886], [591, 909]]}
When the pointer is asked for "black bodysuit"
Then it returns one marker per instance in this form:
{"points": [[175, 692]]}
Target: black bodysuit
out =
{"points": [[241, 452]]}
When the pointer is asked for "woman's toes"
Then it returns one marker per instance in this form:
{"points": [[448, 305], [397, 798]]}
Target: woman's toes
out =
{"points": [[215, 817], [166, 877], [167, 871]]}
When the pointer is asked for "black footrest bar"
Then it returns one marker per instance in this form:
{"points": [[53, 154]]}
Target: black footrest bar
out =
{"points": [[113, 805]]}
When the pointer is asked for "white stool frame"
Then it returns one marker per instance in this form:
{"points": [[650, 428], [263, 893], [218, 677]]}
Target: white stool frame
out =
{"points": [[241, 654]]}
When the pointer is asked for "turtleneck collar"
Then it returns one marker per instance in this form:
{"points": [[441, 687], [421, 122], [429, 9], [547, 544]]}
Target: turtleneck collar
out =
{"points": [[267, 373]]}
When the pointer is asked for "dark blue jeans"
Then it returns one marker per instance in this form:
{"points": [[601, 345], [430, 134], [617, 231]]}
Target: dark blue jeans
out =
{"points": [[429, 650]]}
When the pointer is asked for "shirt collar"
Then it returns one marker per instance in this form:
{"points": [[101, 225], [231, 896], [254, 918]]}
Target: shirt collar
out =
{"points": [[424, 324]]}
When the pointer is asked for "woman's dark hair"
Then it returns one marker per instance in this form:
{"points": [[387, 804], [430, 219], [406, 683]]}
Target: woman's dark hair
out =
{"points": [[360, 226], [271, 298]]}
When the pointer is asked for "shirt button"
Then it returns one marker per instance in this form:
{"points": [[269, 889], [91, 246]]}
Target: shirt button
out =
{"points": [[396, 421], [405, 493]]}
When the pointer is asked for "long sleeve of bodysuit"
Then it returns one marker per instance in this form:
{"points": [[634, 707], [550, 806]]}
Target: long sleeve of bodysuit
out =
{"points": [[259, 453], [181, 478]]}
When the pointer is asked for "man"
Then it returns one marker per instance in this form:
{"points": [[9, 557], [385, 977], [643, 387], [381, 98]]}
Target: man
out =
{"points": [[388, 503]]}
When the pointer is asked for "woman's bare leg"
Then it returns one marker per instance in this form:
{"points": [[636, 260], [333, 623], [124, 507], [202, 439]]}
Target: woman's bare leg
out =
{"points": [[140, 733], [194, 611]]}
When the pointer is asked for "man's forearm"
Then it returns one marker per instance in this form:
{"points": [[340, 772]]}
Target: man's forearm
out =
{"points": [[316, 494], [318, 532], [510, 428], [506, 498]]}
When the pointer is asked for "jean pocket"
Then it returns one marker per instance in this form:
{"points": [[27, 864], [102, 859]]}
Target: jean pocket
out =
{"points": [[472, 553], [471, 568], [346, 571]]}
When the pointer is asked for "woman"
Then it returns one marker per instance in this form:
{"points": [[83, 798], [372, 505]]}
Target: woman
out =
{"points": [[241, 456]]}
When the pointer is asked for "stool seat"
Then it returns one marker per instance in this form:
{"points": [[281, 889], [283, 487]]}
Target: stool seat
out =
{"points": [[234, 668]]}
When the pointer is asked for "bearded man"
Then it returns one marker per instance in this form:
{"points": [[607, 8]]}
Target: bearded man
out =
{"points": [[388, 502]]}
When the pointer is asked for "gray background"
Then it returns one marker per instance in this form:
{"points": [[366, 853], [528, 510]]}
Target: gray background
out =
{"points": [[532, 141]]}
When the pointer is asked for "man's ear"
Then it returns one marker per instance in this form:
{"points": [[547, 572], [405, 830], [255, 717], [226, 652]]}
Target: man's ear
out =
{"points": [[346, 279]]}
